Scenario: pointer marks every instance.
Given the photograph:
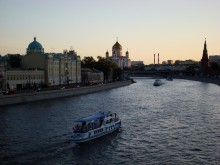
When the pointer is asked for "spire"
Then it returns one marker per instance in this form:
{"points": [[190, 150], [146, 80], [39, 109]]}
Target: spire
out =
{"points": [[205, 58], [34, 38], [205, 52], [205, 46]]}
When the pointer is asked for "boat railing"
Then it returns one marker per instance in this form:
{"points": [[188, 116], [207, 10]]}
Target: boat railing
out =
{"points": [[92, 126], [85, 128]]}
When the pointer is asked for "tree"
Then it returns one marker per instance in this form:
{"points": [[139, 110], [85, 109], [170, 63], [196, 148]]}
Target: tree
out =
{"points": [[104, 66], [15, 60], [108, 67], [88, 62], [117, 73]]}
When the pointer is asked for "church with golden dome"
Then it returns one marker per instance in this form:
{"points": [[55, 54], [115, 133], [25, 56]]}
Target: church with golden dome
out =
{"points": [[118, 58]]}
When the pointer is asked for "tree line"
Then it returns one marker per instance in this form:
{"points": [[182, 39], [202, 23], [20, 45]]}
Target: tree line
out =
{"points": [[109, 68]]}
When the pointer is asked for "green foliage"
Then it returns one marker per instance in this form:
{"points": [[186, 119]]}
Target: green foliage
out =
{"points": [[105, 65], [117, 74], [88, 62], [15, 60]]}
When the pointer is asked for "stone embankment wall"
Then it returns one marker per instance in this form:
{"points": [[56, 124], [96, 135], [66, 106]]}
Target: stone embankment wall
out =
{"points": [[213, 80], [52, 94]]}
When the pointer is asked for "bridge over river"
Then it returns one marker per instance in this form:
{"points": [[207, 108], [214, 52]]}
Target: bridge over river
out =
{"points": [[148, 73]]}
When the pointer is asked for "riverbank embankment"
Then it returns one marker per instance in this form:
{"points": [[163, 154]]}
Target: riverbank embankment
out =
{"points": [[206, 79], [53, 94]]}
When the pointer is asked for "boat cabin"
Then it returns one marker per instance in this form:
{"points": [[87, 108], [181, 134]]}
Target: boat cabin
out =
{"points": [[94, 122]]}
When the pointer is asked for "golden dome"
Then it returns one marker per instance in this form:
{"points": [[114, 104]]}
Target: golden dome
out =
{"points": [[117, 46]]}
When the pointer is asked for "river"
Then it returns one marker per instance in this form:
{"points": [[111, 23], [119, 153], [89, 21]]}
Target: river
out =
{"points": [[176, 123]]}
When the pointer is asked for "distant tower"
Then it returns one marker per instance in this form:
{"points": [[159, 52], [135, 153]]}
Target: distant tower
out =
{"points": [[158, 59], [154, 59], [107, 54], [205, 59], [127, 54]]}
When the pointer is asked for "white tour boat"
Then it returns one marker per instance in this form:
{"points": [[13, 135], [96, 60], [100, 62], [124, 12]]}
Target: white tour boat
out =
{"points": [[158, 82], [97, 125]]}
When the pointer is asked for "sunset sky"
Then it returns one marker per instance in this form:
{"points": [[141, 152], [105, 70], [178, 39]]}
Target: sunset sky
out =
{"points": [[174, 28]]}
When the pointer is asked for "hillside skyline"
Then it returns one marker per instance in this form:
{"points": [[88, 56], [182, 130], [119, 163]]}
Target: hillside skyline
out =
{"points": [[175, 29]]}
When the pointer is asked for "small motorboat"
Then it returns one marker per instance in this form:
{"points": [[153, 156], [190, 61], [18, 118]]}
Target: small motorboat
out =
{"points": [[94, 126], [132, 80], [158, 82]]}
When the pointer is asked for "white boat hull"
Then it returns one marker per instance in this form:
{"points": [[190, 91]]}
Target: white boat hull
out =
{"points": [[99, 132]]}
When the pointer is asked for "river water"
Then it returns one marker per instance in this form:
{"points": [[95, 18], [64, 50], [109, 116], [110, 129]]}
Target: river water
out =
{"points": [[176, 123]]}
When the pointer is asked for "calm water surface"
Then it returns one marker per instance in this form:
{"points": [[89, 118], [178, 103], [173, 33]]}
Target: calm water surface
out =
{"points": [[176, 123]]}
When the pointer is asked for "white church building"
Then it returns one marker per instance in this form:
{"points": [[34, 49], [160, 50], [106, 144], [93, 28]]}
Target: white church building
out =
{"points": [[118, 58]]}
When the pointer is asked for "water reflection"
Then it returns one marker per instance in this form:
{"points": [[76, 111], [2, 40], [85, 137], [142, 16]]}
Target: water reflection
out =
{"points": [[177, 123]]}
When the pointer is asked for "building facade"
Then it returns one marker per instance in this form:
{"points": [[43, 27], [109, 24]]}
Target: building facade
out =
{"points": [[23, 79], [118, 58], [169, 62], [92, 76], [214, 59], [63, 69], [137, 63], [3, 68], [60, 68], [39, 68]]}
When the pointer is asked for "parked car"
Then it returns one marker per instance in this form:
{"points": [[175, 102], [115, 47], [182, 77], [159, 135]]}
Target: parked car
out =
{"points": [[38, 89], [62, 88], [8, 91]]}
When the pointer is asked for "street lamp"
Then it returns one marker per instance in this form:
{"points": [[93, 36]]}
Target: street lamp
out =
{"points": [[5, 79], [76, 69]]}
